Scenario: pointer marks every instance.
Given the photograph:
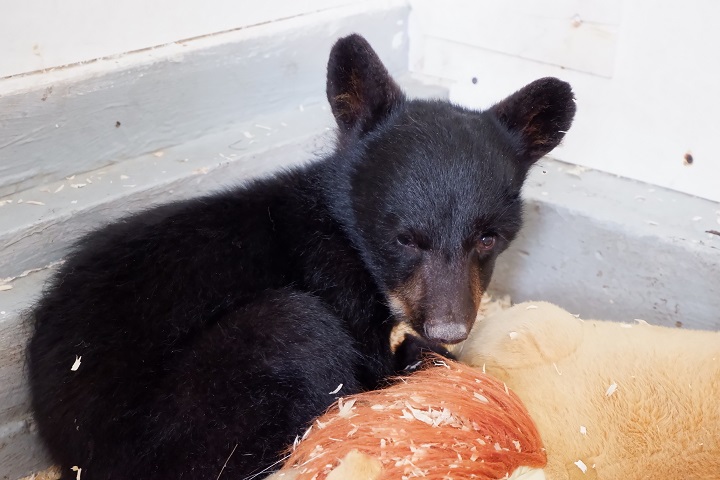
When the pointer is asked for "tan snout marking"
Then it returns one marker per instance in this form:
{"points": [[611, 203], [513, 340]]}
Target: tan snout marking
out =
{"points": [[402, 299], [476, 288], [401, 303], [398, 333], [398, 306]]}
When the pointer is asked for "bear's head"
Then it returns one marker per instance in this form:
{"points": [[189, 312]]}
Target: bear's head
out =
{"points": [[429, 192]]}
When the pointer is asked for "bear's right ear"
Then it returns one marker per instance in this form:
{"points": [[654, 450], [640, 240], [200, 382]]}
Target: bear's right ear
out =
{"points": [[538, 115], [360, 90]]}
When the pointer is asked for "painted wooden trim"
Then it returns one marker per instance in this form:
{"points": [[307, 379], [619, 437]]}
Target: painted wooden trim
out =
{"points": [[89, 116]]}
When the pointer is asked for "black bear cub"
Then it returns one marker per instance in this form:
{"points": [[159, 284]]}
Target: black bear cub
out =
{"points": [[210, 332]]}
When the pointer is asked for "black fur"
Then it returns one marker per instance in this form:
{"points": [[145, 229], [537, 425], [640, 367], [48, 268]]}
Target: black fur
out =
{"points": [[219, 325]]}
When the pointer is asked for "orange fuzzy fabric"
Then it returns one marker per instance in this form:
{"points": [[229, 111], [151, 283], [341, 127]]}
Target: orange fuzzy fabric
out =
{"points": [[447, 421]]}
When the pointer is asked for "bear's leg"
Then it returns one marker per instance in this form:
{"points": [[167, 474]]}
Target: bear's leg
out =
{"points": [[412, 350], [243, 391]]}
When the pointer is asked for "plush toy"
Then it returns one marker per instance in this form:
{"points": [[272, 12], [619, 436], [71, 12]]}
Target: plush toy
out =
{"points": [[611, 400], [446, 421]]}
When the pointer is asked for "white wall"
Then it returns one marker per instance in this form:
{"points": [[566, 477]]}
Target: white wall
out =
{"points": [[646, 75], [42, 34], [645, 72]]}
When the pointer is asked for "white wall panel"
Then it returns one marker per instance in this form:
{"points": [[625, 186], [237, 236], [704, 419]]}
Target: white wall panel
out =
{"points": [[638, 115], [42, 34]]}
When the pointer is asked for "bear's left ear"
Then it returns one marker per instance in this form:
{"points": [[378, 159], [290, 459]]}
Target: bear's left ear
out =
{"points": [[538, 114], [360, 90]]}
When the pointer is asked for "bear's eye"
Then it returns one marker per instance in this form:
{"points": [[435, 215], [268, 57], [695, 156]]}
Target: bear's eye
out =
{"points": [[406, 240], [487, 242]]}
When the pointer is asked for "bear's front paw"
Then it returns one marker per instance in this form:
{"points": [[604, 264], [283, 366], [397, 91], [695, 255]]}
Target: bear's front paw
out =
{"points": [[410, 353]]}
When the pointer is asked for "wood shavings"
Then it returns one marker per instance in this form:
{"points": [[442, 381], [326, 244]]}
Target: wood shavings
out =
{"points": [[226, 461], [88, 180], [76, 365], [6, 287], [482, 398], [576, 171], [59, 189], [78, 185], [124, 177], [5, 202], [158, 154], [531, 307], [611, 389], [345, 408], [583, 430], [78, 470], [557, 369], [248, 135], [264, 127], [339, 387], [581, 465], [414, 366], [517, 445], [444, 417], [420, 415], [34, 202], [641, 322], [513, 335], [71, 177]]}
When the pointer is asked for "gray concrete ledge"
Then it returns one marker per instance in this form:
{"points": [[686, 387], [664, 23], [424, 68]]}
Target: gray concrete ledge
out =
{"points": [[611, 248], [89, 116]]}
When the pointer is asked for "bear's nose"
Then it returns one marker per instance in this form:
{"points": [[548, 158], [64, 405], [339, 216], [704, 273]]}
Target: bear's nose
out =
{"points": [[446, 332]]}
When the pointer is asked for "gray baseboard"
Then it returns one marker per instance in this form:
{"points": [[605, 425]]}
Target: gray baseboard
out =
{"points": [[611, 248], [89, 116]]}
